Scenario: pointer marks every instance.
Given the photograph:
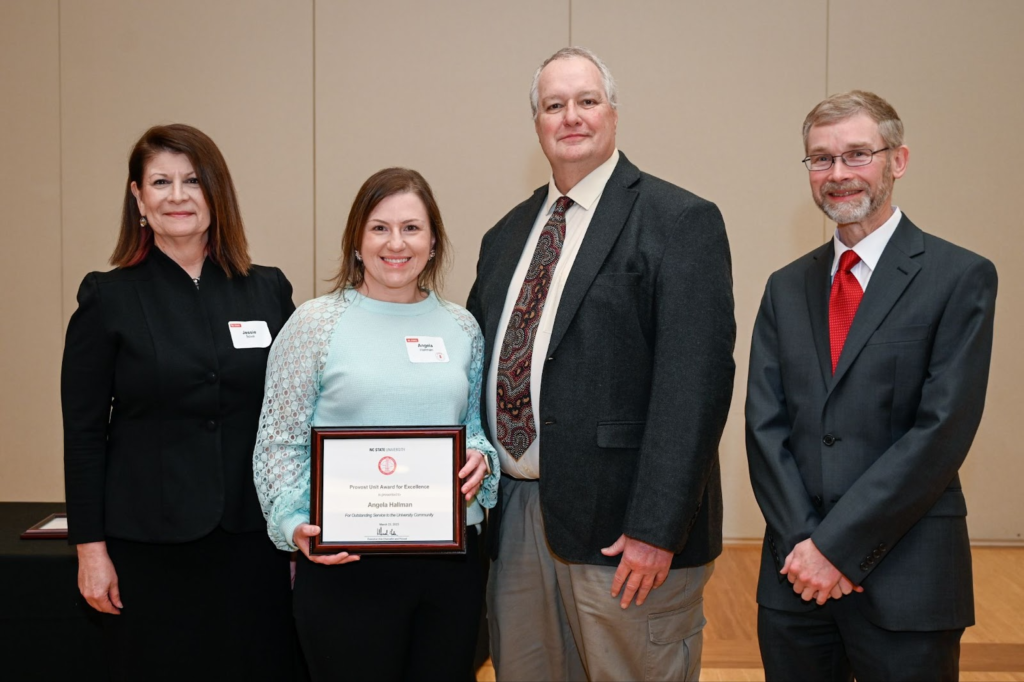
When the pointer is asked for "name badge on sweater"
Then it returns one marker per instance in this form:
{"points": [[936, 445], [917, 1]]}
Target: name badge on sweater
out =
{"points": [[426, 349], [251, 334]]}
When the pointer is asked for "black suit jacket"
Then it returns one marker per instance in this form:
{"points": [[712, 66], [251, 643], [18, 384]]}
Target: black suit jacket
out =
{"points": [[865, 462], [160, 409], [639, 376]]}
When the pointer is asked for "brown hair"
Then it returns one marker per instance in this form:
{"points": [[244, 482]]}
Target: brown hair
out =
{"points": [[844, 105], [226, 245], [380, 186]]}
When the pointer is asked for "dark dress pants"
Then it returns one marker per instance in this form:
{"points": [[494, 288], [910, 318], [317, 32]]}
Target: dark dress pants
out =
{"points": [[217, 608], [836, 642], [391, 617]]}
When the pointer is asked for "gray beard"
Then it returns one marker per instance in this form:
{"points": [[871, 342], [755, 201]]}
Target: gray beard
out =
{"points": [[856, 212], [848, 212]]}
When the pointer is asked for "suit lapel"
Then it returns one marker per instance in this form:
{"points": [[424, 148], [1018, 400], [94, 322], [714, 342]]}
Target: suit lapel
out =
{"points": [[816, 286], [612, 212], [509, 253], [896, 270]]}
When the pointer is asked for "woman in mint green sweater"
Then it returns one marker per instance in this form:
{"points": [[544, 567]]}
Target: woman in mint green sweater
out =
{"points": [[341, 360]]}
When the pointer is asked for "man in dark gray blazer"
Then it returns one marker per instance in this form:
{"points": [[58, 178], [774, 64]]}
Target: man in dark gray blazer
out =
{"points": [[868, 370], [606, 303]]}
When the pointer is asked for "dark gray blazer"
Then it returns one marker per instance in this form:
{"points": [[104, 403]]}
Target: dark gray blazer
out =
{"points": [[639, 376], [865, 462]]}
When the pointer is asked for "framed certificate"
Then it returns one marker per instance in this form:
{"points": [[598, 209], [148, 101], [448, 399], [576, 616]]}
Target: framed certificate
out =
{"points": [[53, 527], [392, 490]]}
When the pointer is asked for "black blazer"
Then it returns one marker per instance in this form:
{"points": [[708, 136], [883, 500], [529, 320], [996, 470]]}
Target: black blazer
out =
{"points": [[160, 409], [865, 462], [639, 376]]}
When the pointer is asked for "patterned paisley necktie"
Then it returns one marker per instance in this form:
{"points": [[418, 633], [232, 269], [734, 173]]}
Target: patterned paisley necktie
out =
{"points": [[516, 428]]}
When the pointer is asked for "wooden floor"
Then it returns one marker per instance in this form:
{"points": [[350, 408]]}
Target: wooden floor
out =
{"points": [[991, 651]]}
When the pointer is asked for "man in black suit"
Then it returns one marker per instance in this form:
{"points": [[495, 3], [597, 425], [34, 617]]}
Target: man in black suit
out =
{"points": [[868, 370], [606, 303]]}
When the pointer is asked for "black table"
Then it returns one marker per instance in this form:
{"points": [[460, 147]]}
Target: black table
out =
{"points": [[47, 630]]}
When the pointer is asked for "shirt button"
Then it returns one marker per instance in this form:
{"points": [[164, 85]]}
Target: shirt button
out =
{"points": [[211, 377], [211, 425], [829, 440]]}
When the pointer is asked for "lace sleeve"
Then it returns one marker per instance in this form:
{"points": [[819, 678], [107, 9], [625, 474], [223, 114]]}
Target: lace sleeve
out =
{"points": [[280, 461], [487, 496]]}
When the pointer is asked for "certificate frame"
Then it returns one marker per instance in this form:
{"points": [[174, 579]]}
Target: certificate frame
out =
{"points": [[376, 440], [45, 530]]}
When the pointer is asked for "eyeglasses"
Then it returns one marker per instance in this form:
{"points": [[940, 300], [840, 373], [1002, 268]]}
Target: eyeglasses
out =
{"points": [[852, 158]]}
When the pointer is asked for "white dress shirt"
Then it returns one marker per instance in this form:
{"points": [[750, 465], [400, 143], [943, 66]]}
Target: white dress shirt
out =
{"points": [[585, 195], [869, 249]]}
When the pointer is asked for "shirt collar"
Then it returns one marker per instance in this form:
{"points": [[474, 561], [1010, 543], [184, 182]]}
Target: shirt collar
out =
{"points": [[588, 190], [871, 247]]}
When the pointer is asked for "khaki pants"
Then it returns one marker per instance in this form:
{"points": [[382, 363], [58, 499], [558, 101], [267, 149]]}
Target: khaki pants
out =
{"points": [[552, 620]]}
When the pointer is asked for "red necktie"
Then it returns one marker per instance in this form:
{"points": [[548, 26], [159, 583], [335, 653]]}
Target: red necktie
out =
{"points": [[842, 304], [516, 428]]}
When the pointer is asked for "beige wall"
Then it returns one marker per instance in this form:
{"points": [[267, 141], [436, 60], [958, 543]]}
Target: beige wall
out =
{"points": [[306, 99], [31, 331], [436, 86]]}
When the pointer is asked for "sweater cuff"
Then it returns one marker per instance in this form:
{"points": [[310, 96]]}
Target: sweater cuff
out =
{"points": [[289, 525]]}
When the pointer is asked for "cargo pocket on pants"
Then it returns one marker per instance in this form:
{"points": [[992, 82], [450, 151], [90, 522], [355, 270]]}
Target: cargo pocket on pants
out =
{"points": [[674, 643]]}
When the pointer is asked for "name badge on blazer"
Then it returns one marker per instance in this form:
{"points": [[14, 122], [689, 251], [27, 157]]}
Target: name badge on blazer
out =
{"points": [[251, 334], [426, 349]]}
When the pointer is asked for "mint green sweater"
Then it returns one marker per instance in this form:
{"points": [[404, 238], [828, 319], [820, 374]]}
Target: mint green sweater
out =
{"points": [[341, 360]]}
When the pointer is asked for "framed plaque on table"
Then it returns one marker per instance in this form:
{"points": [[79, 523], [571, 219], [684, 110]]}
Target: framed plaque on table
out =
{"points": [[53, 527], [387, 490]]}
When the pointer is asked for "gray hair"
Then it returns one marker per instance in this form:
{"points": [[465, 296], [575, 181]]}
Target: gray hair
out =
{"points": [[610, 90], [844, 105]]}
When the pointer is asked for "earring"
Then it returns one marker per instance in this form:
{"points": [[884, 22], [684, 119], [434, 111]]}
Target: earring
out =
{"points": [[142, 221], [358, 257], [432, 253]]}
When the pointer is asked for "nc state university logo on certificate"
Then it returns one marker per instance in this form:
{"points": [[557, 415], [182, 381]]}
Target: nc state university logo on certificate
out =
{"points": [[387, 465]]}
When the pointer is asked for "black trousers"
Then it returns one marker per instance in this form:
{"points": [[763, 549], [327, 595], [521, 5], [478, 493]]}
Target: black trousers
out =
{"points": [[836, 642], [215, 608], [391, 617]]}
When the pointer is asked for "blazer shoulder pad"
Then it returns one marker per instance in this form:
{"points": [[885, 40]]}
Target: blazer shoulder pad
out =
{"points": [[667, 199], [118, 275], [517, 212], [798, 266], [956, 256], [267, 272]]}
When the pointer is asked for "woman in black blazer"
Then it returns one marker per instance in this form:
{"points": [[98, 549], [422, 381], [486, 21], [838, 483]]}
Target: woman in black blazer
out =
{"points": [[161, 389]]}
